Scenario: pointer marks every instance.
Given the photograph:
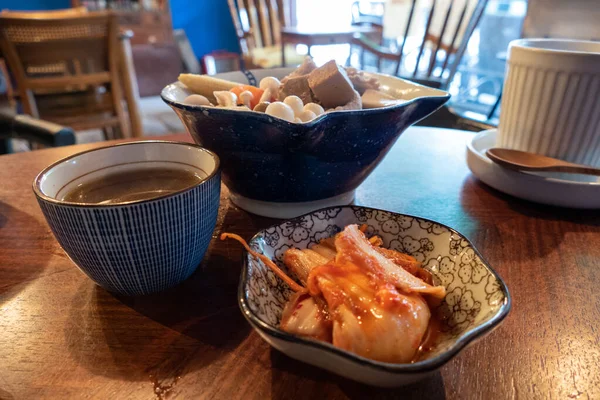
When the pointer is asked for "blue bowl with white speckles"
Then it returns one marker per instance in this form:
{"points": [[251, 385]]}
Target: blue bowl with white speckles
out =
{"points": [[281, 169]]}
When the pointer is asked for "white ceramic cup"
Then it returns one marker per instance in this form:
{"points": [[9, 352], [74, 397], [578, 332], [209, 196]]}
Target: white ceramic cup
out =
{"points": [[551, 99]]}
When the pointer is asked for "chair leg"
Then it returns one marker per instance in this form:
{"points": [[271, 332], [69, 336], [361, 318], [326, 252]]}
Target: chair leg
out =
{"points": [[130, 89], [495, 107], [361, 58], [349, 59], [116, 90], [107, 131], [5, 146], [116, 132]]}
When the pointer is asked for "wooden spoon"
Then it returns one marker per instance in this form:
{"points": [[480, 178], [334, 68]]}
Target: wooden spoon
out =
{"points": [[524, 161]]}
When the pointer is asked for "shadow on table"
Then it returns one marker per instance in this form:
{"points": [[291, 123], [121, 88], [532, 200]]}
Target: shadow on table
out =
{"points": [[4, 395], [157, 338], [290, 376], [527, 208], [26, 254], [511, 221], [165, 335]]}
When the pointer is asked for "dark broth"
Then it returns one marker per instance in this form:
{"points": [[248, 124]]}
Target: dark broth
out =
{"points": [[134, 185]]}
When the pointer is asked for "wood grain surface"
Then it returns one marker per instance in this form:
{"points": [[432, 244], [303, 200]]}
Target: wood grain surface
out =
{"points": [[63, 337]]}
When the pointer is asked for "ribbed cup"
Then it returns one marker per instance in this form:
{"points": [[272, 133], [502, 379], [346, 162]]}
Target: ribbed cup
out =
{"points": [[551, 100]]}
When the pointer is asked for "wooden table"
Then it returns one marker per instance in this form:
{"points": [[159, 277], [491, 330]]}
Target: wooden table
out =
{"points": [[322, 37], [63, 337]]}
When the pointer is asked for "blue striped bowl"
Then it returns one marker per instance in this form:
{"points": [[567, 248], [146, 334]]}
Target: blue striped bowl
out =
{"points": [[136, 247]]}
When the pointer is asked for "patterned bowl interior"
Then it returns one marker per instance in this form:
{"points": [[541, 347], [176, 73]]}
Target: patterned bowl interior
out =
{"points": [[475, 293]]}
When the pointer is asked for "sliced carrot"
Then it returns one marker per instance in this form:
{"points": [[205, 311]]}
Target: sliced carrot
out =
{"points": [[256, 93], [293, 285], [376, 241]]}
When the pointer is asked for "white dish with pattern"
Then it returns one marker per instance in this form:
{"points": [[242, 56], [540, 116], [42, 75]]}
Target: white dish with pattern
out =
{"points": [[477, 299]]}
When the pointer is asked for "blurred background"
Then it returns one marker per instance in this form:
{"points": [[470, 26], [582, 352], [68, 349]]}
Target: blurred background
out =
{"points": [[456, 45]]}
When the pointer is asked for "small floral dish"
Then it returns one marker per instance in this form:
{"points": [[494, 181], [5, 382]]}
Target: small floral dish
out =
{"points": [[477, 299], [281, 169]]}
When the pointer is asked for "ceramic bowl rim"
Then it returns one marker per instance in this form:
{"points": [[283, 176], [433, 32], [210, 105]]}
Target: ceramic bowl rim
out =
{"points": [[529, 45], [331, 114], [413, 368], [42, 196]]}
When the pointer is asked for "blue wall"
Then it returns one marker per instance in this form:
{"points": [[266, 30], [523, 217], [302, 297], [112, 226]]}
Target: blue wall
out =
{"points": [[207, 23], [34, 4]]}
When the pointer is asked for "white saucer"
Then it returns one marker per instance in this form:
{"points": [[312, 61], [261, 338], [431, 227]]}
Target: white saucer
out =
{"points": [[556, 189]]}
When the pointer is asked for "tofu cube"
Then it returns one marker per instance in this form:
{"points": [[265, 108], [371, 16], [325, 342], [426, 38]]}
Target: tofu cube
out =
{"points": [[331, 85], [297, 86]]}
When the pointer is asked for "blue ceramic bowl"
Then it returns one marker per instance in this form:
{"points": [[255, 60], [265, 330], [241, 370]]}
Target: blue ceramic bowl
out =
{"points": [[137, 247], [280, 169]]}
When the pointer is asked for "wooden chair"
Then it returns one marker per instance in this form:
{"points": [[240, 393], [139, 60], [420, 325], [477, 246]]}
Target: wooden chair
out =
{"points": [[75, 11], [71, 67], [258, 26], [439, 51], [268, 37], [66, 12]]}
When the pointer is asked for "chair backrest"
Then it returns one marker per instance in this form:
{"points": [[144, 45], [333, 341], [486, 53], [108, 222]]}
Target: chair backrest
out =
{"points": [[220, 61], [573, 19], [433, 35], [188, 57], [58, 51], [258, 22], [67, 12]]}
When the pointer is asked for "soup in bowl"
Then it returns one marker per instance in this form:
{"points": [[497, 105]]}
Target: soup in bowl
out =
{"points": [[136, 217]]}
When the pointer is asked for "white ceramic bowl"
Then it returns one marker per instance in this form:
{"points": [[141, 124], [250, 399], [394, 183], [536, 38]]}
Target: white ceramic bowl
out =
{"points": [[551, 99], [476, 302]]}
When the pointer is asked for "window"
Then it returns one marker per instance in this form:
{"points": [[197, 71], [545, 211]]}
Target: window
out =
{"points": [[478, 81], [479, 78]]}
